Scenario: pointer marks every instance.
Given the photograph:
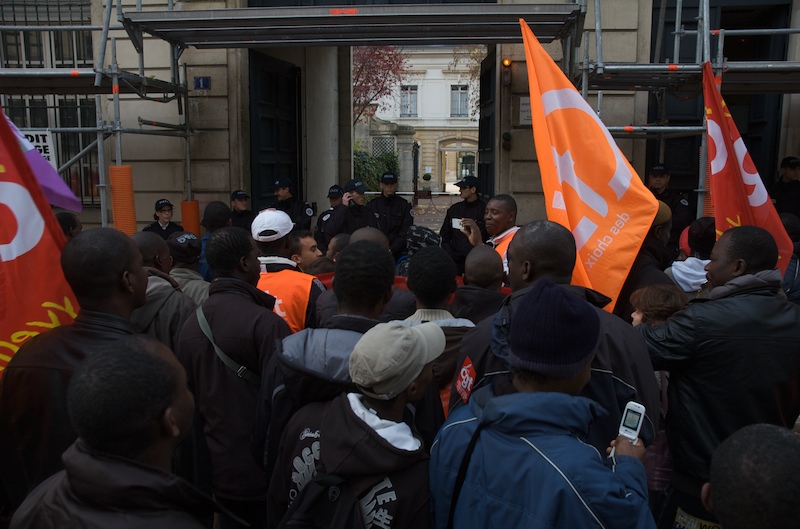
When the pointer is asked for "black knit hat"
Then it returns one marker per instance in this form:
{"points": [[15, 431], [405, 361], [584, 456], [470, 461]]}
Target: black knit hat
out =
{"points": [[553, 332]]}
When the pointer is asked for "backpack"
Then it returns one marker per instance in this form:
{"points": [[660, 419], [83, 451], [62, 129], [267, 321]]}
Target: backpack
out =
{"points": [[326, 502]]}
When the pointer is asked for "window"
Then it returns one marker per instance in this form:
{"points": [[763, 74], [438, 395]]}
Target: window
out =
{"points": [[408, 101], [459, 101], [24, 48]]}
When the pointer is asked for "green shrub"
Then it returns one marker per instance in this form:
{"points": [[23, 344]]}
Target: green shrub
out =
{"points": [[369, 169]]}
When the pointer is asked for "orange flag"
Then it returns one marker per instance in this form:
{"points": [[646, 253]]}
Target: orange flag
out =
{"points": [[34, 296], [737, 191], [589, 186]]}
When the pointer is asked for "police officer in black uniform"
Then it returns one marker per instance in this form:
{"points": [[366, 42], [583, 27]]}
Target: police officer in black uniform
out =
{"points": [[394, 214], [454, 241], [335, 193], [354, 215], [299, 211], [658, 182]]}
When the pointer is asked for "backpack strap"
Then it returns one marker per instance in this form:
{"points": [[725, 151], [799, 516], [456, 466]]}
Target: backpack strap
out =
{"points": [[462, 475], [240, 370]]}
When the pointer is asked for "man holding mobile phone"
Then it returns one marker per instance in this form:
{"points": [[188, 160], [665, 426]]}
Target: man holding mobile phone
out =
{"points": [[454, 239], [517, 460]]}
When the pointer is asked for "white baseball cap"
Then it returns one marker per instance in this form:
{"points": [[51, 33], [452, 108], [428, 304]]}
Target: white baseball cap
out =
{"points": [[271, 225]]}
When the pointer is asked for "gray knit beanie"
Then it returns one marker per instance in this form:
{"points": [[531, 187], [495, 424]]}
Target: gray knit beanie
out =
{"points": [[553, 332]]}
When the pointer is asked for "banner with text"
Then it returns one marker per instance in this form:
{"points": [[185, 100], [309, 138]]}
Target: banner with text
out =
{"points": [[589, 186]]}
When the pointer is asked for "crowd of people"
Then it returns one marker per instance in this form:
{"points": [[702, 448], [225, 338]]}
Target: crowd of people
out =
{"points": [[374, 373]]}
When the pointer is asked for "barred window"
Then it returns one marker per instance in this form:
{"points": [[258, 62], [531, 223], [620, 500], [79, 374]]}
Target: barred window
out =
{"points": [[382, 145]]}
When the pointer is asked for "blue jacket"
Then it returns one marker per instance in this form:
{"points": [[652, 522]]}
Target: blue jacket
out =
{"points": [[530, 469]]}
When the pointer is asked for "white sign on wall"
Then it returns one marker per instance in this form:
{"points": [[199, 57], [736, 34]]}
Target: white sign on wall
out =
{"points": [[525, 111], [43, 141]]}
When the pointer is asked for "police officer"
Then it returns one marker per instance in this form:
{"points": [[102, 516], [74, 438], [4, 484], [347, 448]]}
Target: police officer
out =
{"points": [[241, 216], [335, 194], [299, 211], [658, 182], [394, 214], [354, 215], [454, 241]]}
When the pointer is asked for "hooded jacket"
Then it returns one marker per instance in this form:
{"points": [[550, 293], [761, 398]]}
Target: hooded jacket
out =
{"points": [[455, 243], [165, 310], [310, 366], [690, 276], [476, 303], [34, 432], [192, 284], [734, 360], [621, 369], [329, 438], [246, 329], [530, 469], [99, 490]]}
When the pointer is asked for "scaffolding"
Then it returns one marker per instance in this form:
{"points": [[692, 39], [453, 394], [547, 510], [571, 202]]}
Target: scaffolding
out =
{"points": [[47, 61], [673, 76]]}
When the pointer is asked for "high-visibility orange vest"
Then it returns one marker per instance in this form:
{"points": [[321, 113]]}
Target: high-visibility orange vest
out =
{"points": [[502, 246], [291, 290]]}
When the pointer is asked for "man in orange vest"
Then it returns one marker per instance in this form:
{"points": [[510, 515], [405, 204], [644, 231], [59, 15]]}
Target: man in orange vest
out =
{"points": [[500, 219], [295, 292]]}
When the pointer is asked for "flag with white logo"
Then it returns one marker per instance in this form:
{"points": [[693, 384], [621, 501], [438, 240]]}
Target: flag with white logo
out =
{"points": [[589, 186], [737, 191], [34, 296]]}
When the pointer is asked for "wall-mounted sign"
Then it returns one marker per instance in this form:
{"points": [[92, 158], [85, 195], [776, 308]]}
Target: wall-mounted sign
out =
{"points": [[525, 111], [43, 141]]}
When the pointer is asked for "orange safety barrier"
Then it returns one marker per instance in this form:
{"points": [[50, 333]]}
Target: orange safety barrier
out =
{"points": [[121, 179], [190, 216]]}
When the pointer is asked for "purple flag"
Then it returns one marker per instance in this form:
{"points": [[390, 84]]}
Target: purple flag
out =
{"points": [[56, 191]]}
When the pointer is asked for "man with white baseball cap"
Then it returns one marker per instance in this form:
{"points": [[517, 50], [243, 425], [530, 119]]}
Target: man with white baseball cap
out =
{"points": [[295, 292], [361, 437]]}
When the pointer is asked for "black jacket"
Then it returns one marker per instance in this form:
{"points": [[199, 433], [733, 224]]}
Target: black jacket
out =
{"points": [[475, 303], [402, 305], [395, 216], [348, 219], [392, 484], [734, 360], [647, 269], [682, 215], [311, 366], [621, 369], [246, 329], [99, 491], [242, 219], [34, 423], [456, 243], [321, 235], [299, 211], [164, 233]]}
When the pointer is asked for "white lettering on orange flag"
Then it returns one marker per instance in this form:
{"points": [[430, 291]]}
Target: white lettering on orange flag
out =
{"points": [[34, 295], [589, 186], [737, 190]]}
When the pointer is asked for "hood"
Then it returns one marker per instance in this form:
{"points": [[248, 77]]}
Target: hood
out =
{"points": [[661, 256], [469, 299], [529, 414], [355, 449], [770, 280], [690, 274], [102, 479], [160, 287]]}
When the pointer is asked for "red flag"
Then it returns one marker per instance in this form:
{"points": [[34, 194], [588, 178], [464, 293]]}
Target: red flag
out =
{"points": [[737, 191], [589, 186], [34, 296]]}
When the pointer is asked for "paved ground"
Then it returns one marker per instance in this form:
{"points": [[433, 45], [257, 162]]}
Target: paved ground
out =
{"points": [[430, 212]]}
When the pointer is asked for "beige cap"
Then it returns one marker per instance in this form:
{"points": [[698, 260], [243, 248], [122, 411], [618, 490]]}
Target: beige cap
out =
{"points": [[391, 355]]}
